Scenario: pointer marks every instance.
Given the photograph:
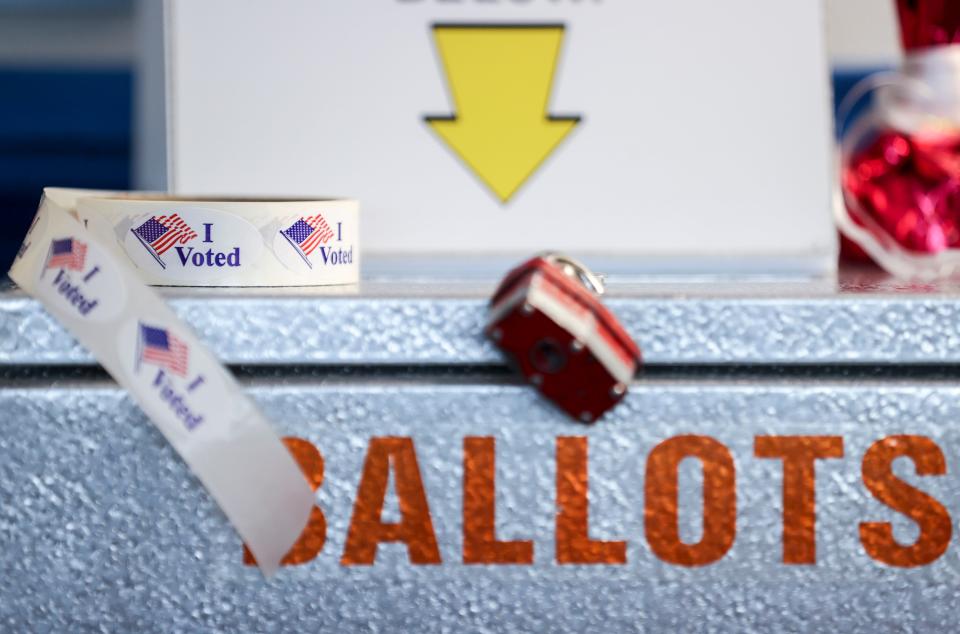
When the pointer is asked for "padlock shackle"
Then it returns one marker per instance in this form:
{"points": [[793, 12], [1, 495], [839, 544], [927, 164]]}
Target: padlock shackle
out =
{"points": [[576, 269], [579, 291]]}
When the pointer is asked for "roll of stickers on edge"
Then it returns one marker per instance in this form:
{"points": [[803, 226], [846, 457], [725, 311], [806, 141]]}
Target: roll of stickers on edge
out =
{"points": [[80, 263]]}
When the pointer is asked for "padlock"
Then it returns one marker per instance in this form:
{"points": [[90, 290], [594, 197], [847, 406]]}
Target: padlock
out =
{"points": [[547, 317]]}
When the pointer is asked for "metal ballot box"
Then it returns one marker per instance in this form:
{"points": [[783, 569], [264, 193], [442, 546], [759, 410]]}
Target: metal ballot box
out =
{"points": [[786, 461]]}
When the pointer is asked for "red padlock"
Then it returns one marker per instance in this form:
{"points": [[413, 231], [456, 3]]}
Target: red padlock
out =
{"points": [[547, 316]]}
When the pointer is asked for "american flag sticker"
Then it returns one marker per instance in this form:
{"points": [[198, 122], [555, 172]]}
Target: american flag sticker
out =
{"points": [[67, 253], [306, 234], [160, 348], [160, 233]]}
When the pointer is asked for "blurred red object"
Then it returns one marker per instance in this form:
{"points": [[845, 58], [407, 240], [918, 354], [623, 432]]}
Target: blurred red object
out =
{"points": [[901, 183], [910, 185], [853, 253], [925, 23]]}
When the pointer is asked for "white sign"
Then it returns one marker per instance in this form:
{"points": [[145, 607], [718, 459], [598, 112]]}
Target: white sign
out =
{"points": [[692, 131]]}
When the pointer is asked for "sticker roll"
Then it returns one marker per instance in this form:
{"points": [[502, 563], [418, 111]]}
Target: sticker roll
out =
{"points": [[205, 242], [82, 260]]}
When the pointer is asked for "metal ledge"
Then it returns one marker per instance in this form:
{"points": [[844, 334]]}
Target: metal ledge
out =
{"points": [[861, 318]]}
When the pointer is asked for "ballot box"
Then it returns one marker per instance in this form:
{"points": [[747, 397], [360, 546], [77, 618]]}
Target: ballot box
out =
{"points": [[785, 461]]}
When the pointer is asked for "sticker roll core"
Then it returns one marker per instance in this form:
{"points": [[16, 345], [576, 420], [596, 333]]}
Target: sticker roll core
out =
{"points": [[89, 258]]}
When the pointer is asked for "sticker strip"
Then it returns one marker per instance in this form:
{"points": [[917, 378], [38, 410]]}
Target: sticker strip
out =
{"points": [[88, 285], [173, 242]]}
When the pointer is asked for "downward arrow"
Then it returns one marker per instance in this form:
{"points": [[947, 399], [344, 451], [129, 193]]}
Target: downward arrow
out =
{"points": [[500, 78]]}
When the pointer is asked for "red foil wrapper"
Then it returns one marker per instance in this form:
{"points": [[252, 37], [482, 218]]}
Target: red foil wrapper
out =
{"points": [[911, 187], [901, 182], [925, 23]]}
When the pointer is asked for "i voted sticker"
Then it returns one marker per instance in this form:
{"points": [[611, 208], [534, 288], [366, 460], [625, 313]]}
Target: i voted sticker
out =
{"points": [[192, 244], [310, 242], [78, 280], [176, 382]]}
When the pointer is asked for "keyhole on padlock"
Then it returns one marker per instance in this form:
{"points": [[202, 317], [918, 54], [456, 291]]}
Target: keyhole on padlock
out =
{"points": [[548, 356]]}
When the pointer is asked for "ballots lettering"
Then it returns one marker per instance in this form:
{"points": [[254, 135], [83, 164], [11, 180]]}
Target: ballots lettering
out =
{"points": [[390, 476]]}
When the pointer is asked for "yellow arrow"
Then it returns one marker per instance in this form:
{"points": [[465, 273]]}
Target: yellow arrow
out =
{"points": [[500, 78]]}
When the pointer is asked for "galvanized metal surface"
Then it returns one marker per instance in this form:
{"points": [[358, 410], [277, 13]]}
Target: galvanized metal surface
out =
{"points": [[103, 528], [863, 318]]}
